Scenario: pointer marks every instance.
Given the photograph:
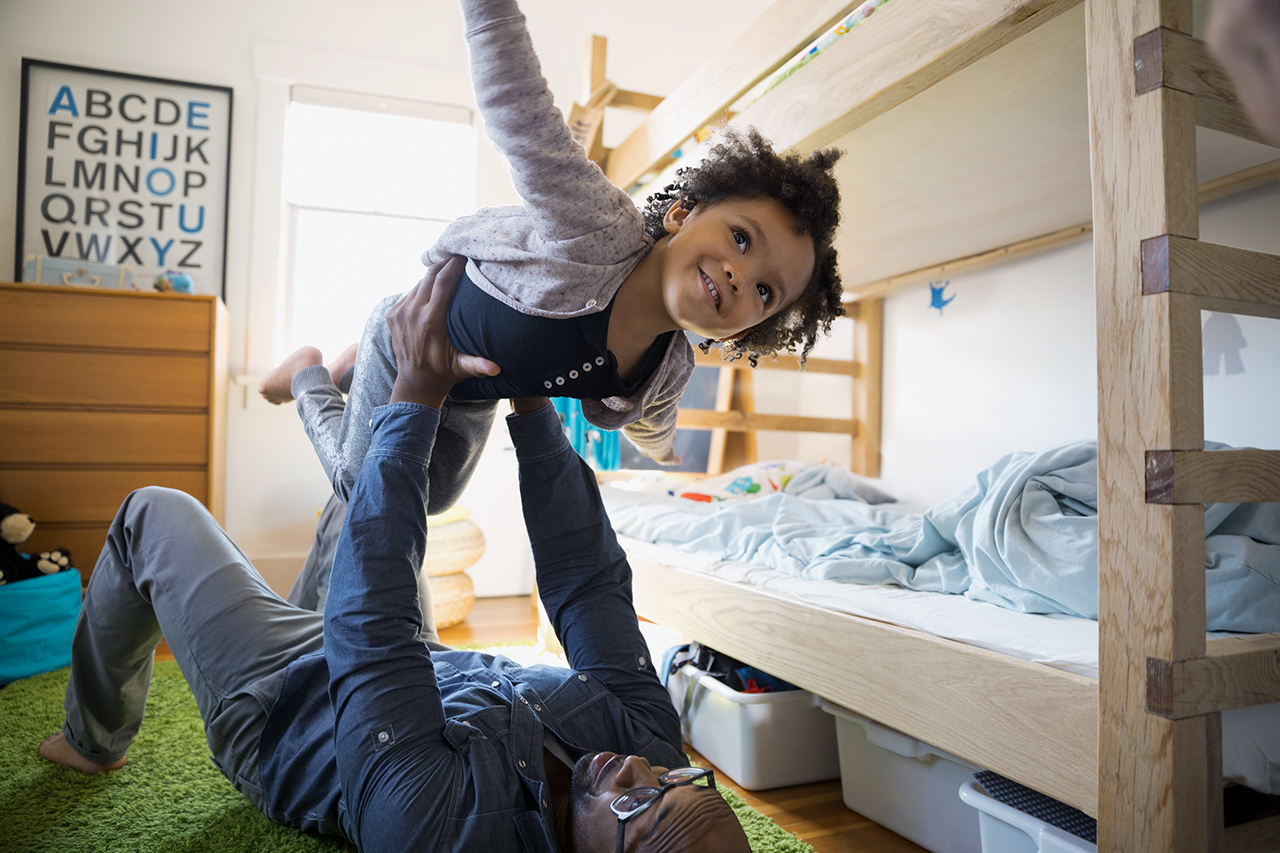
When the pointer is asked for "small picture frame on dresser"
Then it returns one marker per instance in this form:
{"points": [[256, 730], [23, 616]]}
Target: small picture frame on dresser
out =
{"points": [[122, 179]]}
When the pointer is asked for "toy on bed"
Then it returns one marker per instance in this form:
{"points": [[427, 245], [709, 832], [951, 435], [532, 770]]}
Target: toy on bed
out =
{"points": [[15, 527], [811, 480]]}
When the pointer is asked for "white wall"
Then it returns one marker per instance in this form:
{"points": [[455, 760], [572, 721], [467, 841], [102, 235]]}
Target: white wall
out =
{"points": [[1009, 364], [393, 47]]}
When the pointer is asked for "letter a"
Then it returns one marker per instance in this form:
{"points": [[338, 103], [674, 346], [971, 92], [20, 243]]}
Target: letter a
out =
{"points": [[64, 100]]}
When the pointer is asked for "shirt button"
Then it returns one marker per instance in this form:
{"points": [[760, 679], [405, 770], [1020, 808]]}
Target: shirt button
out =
{"points": [[383, 737], [544, 803], [559, 380], [547, 383], [573, 374], [591, 303], [642, 660], [586, 365], [582, 678], [537, 707], [524, 700], [522, 764], [495, 684], [599, 359]]}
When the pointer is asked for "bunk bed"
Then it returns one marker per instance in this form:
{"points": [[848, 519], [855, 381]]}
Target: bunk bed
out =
{"points": [[999, 127]]}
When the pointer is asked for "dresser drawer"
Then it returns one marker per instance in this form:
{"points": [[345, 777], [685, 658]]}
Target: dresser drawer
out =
{"points": [[78, 495], [108, 379], [124, 320], [103, 438]]}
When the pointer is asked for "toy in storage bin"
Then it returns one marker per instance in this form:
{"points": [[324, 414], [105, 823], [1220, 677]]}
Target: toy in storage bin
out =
{"points": [[759, 740], [905, 784]]}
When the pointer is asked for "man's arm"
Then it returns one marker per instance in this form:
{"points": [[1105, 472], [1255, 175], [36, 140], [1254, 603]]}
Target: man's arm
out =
{"points": [[583, 576], [389, 717]]}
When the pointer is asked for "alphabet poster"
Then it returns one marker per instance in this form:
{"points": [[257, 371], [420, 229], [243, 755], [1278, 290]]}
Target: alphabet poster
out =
{"points": [[124, 170]]}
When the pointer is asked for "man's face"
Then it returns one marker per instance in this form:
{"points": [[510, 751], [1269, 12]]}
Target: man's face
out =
{"points": [[733, 264], [686, 817]]}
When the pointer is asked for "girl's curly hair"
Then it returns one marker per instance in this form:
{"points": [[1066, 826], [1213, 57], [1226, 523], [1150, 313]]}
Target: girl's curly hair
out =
{"points": [[744, 165]]}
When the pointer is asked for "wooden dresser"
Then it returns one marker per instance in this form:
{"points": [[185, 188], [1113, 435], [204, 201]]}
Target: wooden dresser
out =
{"points": [[105, 391]]}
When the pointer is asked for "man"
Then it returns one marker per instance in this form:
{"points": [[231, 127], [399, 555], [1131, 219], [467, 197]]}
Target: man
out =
{"points": [[1245, 37], [347, 723]]}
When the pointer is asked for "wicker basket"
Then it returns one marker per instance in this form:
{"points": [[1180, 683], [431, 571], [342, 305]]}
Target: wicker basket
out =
{"points": [[451, 547], [451, 598]]}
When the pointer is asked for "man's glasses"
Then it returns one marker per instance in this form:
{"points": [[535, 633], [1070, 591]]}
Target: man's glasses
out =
{"points": [[630, 804]]}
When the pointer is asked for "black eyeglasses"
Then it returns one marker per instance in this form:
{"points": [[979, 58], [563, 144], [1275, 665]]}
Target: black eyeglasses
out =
{"points": [[630, 804]]}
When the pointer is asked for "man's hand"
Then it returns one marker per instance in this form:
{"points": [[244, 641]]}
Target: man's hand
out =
{"points": [[427, 365], [1245, 37]]}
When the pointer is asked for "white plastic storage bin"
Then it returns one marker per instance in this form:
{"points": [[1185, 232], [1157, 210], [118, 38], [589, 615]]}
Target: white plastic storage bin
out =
{"points": [[904, 784], [1008, 830], [759, 740]]}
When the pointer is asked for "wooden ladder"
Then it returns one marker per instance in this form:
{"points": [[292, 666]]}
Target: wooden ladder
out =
{"points": [[1162, 686]]}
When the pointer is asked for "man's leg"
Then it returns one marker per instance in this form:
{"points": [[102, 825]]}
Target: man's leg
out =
{"points": [[168, 569]]}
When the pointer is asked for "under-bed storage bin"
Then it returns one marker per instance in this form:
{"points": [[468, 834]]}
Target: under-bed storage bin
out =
{"points": [[1006, 829], [759, 740], [905, 785]]}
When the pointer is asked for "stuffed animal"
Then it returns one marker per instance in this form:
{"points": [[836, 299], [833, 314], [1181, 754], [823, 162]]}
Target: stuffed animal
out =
{"points": [[15, 527]]}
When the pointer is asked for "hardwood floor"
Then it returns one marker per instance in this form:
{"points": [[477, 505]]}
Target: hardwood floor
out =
{"points": [[816, 812]]}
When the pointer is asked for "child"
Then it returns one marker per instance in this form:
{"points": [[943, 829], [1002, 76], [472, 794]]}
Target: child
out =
{"points": [[577, 293]]}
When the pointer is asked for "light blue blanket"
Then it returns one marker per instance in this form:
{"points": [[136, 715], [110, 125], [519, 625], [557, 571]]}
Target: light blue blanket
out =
{"points": [[1024, 536]]}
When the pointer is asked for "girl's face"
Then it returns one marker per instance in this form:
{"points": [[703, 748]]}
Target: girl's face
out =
{"points": [[733, 264]]}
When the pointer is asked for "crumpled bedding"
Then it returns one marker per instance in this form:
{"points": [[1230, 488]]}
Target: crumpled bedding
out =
{"points": [[1024, 536]]}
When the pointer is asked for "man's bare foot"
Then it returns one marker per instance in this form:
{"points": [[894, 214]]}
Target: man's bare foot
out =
{"points": [[344, 362], [277, 385], [56, 749]]}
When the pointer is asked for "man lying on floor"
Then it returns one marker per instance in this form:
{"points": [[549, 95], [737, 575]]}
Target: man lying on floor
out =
{"points": [[347, 723]]}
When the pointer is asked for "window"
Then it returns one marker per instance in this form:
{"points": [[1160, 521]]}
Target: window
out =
{"points": [[369, 184]]}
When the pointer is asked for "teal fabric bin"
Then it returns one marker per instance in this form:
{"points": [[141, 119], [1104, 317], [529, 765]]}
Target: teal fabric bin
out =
{"points": [[37, 621]]}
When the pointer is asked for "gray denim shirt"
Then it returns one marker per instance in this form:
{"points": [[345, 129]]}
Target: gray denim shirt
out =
{"points": [[397, 747]]}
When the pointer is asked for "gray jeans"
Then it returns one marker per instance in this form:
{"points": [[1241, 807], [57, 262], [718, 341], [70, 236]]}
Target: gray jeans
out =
{"points": [[169, 569]]}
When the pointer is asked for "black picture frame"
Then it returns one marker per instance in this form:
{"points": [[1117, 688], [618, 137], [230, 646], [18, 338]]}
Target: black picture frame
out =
{"points": [[123, 170]]}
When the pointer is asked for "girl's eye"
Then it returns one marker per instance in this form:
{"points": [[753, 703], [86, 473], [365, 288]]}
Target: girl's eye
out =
{"points": [[765, 293], [741, 238]]}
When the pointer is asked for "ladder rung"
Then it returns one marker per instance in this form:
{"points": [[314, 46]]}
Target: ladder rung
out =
{"points": [[1174, 60], [747, 421], [1244, 475], [1232, 280], [1235, 672]]}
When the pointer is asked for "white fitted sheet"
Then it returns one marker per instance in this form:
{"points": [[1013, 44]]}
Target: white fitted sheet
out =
{"points": [[1250, 738]]}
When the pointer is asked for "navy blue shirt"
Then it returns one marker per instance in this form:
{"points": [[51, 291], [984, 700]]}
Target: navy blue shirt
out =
{"points": [[540, 356], [396, 747]]}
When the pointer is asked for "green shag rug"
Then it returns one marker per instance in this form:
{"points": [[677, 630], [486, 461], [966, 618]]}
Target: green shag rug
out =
{"points": [[168, 798]]}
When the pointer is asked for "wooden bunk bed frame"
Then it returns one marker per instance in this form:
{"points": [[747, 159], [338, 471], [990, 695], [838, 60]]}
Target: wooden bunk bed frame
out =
{"points": [[1139, 747]]}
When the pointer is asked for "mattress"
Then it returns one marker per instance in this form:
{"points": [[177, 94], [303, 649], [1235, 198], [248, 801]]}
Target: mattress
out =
{"points": [[1251, 736]]}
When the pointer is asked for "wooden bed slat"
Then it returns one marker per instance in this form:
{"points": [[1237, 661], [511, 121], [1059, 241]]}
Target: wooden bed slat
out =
{"points": [[1001, 712], [747, 421], [867, 73], [1243, 475], [780, 32], [1235, 673], [1164, 57]]}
